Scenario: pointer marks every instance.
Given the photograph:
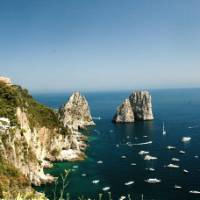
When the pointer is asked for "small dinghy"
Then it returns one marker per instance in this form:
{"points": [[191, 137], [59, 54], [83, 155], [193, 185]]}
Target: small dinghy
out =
{"points": [[173, 166], [177, 187], [133, 164], [171, 147], [106, 188], [123, 157], [145, 136], [196, 156], [148, 157], [117, 145], [100, 162], [153, 180], [182, 152], [185, 171], [75, 167], [185, 139], [129, 183], [194, 192], [83, 175], [95, 181], [122, 198], [143, 153], [175, 159], [150, 169]]}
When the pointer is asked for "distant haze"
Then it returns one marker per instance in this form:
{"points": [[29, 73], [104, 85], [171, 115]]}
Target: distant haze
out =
{"points": [[92, 45]]}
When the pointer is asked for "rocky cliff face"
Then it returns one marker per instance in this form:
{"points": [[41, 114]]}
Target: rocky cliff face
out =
{"points": [[124, 113], [31, 135], [137, 107], [75, 114]]}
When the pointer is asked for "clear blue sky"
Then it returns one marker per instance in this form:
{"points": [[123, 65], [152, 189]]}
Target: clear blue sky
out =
{"points": [[56, 45]]}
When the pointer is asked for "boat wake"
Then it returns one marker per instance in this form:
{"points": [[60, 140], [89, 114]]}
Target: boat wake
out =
{"points": [[143, 143]]}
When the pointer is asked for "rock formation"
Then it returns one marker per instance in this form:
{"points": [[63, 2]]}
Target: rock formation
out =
{"points": [[31, 135], [137, 107], [75, 114], [5, 80], [124, 113]]}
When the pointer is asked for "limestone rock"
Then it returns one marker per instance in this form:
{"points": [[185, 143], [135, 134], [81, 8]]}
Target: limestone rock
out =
{"points": [[137, 107], [124, 113], [75, 113], [142, 105], [5, 80]]}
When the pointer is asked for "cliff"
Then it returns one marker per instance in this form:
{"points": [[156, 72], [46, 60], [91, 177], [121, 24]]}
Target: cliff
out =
{"points": [[75, 113], [137, 107], [31, 135]]}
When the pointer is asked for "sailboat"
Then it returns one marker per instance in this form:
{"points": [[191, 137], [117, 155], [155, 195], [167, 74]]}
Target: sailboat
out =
{"points": [[164, 131]]}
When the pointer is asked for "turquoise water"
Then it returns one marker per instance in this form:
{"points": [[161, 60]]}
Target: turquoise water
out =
{"points": [[179, 109]]}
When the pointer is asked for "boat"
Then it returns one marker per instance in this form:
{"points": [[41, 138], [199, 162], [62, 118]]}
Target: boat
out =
{"points": [[148, 157], [95, 181], [123, 157], [182, 152], [150, 169], [133, 164], [196, 156], [152, 180], [172, 166], [185, 171], [122, 198], [177, 187], [186, 139], [143, 143], [100, 162], [175, 159], [194, 192], [143, 152], [129, 183], [164, 131], [97, 118], [106, 188], [171, 147], [83, 175]]}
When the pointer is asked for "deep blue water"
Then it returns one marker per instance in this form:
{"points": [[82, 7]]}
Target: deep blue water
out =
{"points": [[179, 109]]}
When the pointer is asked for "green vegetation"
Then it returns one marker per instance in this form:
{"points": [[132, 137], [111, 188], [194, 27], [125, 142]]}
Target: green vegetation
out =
{"points": [[39, 115], [11, 180]]}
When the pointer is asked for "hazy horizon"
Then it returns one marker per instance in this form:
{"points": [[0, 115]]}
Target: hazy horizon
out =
{"points": [[103, 45]]}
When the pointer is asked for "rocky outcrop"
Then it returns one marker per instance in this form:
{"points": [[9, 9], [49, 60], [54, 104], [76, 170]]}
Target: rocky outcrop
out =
{"points": [[75, 114], [5, 80], [137, 107], [124, 113], [31, 135]]}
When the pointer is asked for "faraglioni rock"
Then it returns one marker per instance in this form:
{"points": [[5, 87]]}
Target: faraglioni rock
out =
{"points": [[137, 107], [124, 113], [75, 114]]}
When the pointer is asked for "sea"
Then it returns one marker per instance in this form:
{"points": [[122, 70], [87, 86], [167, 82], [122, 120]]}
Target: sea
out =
{"points": [[114, 146]]}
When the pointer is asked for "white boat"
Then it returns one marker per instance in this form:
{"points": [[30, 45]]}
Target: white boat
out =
{"points": [[171, 147], [122, 198], [148, 157], [152, 180], [182, 152], [186, 139], [185, 171], [75, 167], [194, 192], [106, 188], [143, 152], [164, 131], [117, 145], [97, 118], [196, 156], [143, 143], [83, 175], [100, 162], [123, 157], [95, 181], [177, 187], [129, 183], [133, 164], [150, 169], [173, 166], [175, 159]]}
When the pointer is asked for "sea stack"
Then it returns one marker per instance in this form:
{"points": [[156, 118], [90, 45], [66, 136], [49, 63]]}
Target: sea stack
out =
{"points": [[75, 114], [138, 107]]}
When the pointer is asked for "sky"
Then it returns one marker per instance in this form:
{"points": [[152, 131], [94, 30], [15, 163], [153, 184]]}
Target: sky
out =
{"points": [[97, 45]]}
